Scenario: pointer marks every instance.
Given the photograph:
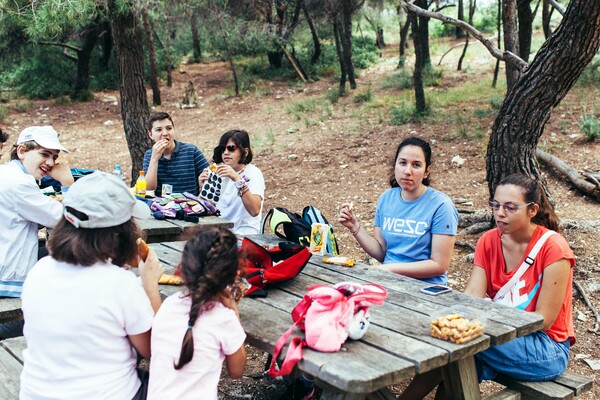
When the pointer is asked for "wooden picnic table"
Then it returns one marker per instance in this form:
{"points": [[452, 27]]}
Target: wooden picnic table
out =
{"points": [[167, 230], [397, 345]]}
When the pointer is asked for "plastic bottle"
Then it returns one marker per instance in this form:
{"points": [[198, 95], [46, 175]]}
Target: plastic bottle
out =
{"points": [[140, 184], [118, 172]]}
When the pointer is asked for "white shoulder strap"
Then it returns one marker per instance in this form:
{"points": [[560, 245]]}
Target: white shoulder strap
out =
{"points": [[524, 266]]}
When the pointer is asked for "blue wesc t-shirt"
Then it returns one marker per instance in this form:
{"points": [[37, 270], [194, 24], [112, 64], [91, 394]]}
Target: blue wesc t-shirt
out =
{"points": [[407, 226]]}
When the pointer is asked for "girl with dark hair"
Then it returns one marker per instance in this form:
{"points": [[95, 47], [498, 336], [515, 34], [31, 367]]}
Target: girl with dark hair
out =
{"points": [[524, 218], [241, 199], [87, 317], [415, 225], [196, 330]]}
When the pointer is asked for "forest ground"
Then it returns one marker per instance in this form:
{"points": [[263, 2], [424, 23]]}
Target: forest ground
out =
{"points": [[314, 152]]}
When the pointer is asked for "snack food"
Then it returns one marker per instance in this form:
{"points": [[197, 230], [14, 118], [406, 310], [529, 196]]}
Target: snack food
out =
{"points": [[455, 328], [213, 167], [167, 279], [143, 249], [239, 288], [344, 261]]}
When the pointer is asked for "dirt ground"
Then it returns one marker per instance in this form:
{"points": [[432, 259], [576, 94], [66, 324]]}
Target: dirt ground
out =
{"points": [[334, 153]]}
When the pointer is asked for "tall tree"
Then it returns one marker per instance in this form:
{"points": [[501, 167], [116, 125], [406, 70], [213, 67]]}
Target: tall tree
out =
{"points": [[151, 58], [525, 18], [547, 80], [134, 104], [511, 39], [197, 55]]}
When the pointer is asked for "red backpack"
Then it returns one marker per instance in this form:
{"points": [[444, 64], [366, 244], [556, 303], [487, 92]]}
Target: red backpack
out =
{"points": [[328, 315], [278, 263]]}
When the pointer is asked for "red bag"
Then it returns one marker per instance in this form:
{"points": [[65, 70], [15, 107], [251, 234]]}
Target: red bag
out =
{"points": [[277, 264], [328, 315]]}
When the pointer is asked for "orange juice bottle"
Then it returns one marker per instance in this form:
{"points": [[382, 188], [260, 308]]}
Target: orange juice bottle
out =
{"points": [[140, 184]]}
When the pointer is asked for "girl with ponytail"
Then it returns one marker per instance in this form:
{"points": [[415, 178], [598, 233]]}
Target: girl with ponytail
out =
{"points": [[196, 330]]}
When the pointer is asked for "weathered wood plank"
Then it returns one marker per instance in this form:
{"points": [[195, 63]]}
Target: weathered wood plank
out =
{"points": [[537, 390], [10, 309], [15, 347], [10, 372], [504, 394], [577, 383], [460, 380]]}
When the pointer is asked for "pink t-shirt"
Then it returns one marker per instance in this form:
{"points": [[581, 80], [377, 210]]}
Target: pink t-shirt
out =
{"points": [[489, 256], [216, 333]]}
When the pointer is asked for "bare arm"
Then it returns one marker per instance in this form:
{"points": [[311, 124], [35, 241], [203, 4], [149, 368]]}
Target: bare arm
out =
{"points": [[373, 246], [477, 284], [62, 173], [150, 272], [441, 253], [552, 293], [141, 343], [152, 174], [237, 361], [251, 202]]}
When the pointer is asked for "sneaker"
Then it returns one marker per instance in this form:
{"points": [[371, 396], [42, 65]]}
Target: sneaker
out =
{"points": [[297, 391]]}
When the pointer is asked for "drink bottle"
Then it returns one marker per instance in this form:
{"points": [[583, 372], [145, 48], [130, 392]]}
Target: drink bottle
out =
{"points": [[140, 184], [118, 172]]}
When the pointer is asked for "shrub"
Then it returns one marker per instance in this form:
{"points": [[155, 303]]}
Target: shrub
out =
{"points": [[590, 125], [3, 113], [404, 115], [43, 74], [363, 97]]}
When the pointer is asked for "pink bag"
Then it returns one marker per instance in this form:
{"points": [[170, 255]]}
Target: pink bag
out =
{"points": [[328, 315]]}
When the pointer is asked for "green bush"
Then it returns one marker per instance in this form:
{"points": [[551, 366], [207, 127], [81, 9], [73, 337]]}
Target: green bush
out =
{"points": [[496, 102], [486, 18], [364, 96], [399, 80], [3, 113], [43, 74], [590, 125], [591, 74], [405, 114]]}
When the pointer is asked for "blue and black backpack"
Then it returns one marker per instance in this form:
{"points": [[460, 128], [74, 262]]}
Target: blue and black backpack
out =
{"points": [[295, 227]]}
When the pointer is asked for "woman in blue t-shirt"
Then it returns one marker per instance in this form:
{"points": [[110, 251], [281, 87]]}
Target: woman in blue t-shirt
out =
{"points": [[415, 225]]}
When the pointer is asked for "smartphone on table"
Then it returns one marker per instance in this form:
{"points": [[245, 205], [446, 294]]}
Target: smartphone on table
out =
{"points": [[434, 290]]}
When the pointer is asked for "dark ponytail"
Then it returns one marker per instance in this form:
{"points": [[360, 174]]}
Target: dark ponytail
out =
{"points": [[533, 192], [209, 264]]}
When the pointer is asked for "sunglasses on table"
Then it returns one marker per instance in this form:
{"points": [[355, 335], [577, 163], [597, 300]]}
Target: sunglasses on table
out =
{"points": [[509, 208]]}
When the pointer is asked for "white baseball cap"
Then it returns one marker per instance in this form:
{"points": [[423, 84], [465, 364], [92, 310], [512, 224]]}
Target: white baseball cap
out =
{"points": [[105, 199], [45, 136]]}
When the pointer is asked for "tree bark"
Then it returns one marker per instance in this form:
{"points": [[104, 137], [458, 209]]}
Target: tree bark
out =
{"points": [[134, 104], [107, 44], [458, 33], [420, 104], [168, 51], [511, 40], [546, 15], [404, 26], [525, 18], [423, 33], [197, 54], [151, 58], [571, 173], [313, 33], [340, 53], [464, 52], [527, 107], [347, 41], [498, 26], [81, 91]]}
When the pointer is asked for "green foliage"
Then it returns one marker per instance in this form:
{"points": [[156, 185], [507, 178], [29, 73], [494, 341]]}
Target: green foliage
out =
{"points": [[486, 18], [439, 29], [333, 95], [591, 74], [405, 114], [364, 52], [399, 80], [496, 102], [363, 96], [590, 125], [43, 74], [3, 113]]}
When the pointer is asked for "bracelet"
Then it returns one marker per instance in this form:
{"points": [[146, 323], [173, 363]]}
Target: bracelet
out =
{"points": [[356, 231], [242, 190]]}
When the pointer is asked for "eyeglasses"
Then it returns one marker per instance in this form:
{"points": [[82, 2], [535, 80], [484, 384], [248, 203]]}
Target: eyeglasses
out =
{"points": [[230, 148], [509, 208]]}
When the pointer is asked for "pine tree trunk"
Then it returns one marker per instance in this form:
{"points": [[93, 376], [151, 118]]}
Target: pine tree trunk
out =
{"points": [[313, 33], [511, 40], [340, 53], [458, 33], [151, 58], [134, 104], [527, 107], [423, 33], [107, 45], [81, 90], [404, 27], [546, 15], [525, 17], [168, 52], [347, 41], [197, 55], [420, 103]]}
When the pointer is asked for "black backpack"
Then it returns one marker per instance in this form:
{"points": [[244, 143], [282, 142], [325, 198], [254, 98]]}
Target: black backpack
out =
{"points": [[293, 227]]}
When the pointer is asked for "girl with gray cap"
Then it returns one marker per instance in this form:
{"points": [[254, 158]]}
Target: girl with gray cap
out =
{"points": [[88, 317]]}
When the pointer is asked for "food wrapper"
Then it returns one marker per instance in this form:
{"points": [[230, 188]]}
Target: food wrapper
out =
{"points": [[319, 235], [343, 261]]}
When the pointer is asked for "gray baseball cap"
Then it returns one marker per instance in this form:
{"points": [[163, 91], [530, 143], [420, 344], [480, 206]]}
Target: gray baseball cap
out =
{"points": [[106, 201]]}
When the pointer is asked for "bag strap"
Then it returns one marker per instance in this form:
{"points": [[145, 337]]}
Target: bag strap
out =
{"points": [[524, 266], [267, 216]]}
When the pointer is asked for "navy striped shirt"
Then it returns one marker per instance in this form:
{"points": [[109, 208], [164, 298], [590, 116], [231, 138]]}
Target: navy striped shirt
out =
{"points": [[181, 170]]}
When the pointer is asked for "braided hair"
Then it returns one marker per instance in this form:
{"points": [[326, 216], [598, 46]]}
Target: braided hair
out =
{"points": [[533, 192], [209, 264]]}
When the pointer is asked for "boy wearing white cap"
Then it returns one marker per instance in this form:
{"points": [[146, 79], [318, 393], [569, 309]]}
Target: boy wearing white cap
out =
{"points": [[87, 317], [24, 206]]}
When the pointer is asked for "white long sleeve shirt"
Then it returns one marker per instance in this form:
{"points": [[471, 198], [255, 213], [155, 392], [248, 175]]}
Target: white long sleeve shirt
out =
{"points": [[22, 208]]}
